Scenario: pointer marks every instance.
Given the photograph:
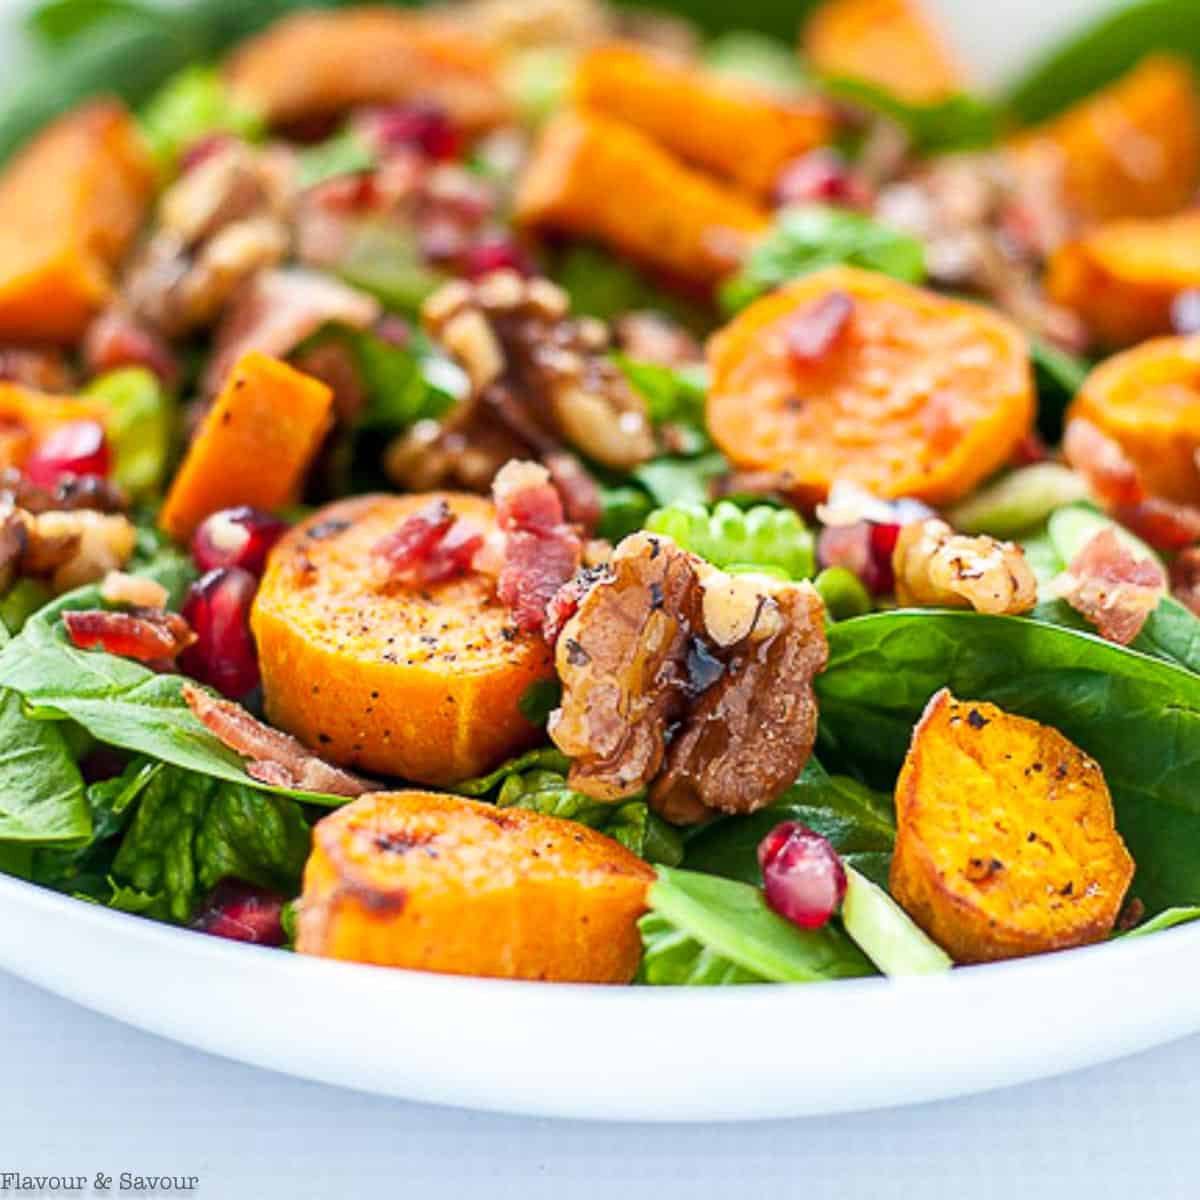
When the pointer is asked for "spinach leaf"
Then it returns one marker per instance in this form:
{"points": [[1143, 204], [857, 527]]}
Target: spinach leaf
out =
{"points": [[1102, 52], [1164, 920], [190, 832], [624, 510], [683, 480], [346, 153], [118, 701], [673, 395], [959, 122], [859, 823], [806, 238], [704, 930], [539, 700], [1138, 716], [1058, 376], [545, 758]]}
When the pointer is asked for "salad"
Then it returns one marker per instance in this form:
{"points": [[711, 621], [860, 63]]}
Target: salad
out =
{"points": [[564, 492]]}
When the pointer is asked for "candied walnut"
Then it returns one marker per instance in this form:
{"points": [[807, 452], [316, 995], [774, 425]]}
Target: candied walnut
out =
{"points": [[70, 494], [75, 548], [650, 336], [936, 567], [13, 541], [1112, 588], [688, 681], [134, 591]]}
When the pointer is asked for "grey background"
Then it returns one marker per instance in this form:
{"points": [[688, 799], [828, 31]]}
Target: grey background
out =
{"points": [[81, 1094]]}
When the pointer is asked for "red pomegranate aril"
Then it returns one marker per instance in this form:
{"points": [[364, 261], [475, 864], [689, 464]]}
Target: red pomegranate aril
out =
{"points": [[237, 537], [420, 126], [803, 878], [243, 913], [496, 253], [223, 655], [822, 177], [73, 448]]}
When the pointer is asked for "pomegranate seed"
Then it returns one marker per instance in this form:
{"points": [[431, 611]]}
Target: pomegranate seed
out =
{"points": [[1185, 312], [803, 878], [420, 126], [237, 537], [73, 448], [816, 329], [823, 177], [218, 610], [495, 253], [243, 913]]}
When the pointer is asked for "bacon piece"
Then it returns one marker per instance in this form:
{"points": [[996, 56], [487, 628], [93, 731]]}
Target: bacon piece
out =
{"points": [[541, 551], [813, 332], [279, 309], [1115, 591], [1165, 524], [272, 757], [580, 495], [431, 546], [150, 635], [117, 339], [1185, 578]]}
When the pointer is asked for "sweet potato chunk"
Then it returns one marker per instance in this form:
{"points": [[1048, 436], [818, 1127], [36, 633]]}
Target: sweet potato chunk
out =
{"points": [[318, 63], [70, 203], [438, 883], [918, 395], [254, 446], [1147, 399], [26, 417], [740, 132], [890, 43], [598, 178], [1131, 150], [1005, 841], [1122, 276], [422, 681]]}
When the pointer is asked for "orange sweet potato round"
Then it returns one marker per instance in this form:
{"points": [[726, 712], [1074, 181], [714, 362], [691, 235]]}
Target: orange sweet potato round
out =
{"points": [[919, 395], [316, 64], [1148, 400], [421, 683], [438, 883], [70, 204], [1121, 277], [1005, 842], [890, 43]]}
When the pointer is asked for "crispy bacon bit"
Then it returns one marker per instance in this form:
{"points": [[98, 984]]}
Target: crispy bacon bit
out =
{"points": [[149, 635], [1165, 524], [431, 546], [814, 332], [686, 680], [541, 551], [936, 567], [118, 339], [1115, 591], [272, 757], [1185, 579], [580, 494], [564, 604]]}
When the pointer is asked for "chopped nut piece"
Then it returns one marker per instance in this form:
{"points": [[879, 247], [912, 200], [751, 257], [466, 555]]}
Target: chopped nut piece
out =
{"points": [[135, 591], [936, 567]]}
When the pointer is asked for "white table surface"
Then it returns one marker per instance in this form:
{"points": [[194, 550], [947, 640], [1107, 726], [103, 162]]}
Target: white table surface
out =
{"points": [[80, 1094]]}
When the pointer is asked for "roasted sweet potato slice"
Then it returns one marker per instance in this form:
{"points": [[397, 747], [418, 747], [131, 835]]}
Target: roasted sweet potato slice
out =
{"points": [[598, 178], [26, 417], [1121, 277], [742, 133], [438, 883], [1005, 841], [890, 43], [1147, 399], [914, 395], [318, 63], [254, 445], [70, 203], [423, 682], [1131, 150]]}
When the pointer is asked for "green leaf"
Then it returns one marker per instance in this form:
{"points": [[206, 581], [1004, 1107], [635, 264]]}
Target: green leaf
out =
{"points": [[624, 510], [346, 153], [59, 21], [118, 701], [141, 425], [755, 58], [959, 122], [21, 601], [859, 823], [680, 480], [545, 758], [190, 832], [1164, 920], [1138, 716], [1102, 52], [886, 933], [728, 536], [705, 930], [807, 238], [1058, 376], [193, 104], [539, 700], [672, 394]]}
